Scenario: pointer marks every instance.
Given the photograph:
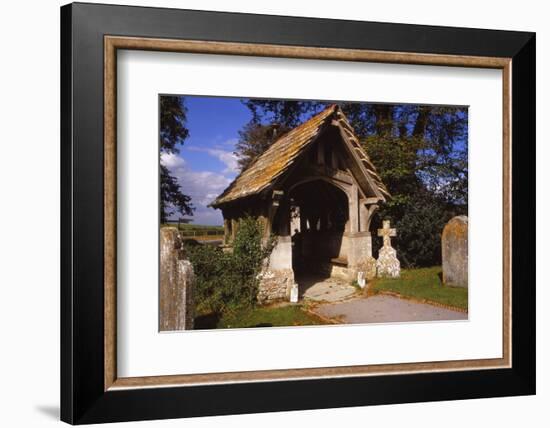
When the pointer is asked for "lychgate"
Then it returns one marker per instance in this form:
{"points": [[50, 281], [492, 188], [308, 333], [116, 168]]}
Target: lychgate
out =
{"points": [[316, 190]]}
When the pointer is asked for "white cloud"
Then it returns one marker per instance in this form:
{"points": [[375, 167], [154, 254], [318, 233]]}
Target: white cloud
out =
{"points": [[230, 160], [227, 157], [202, 186], [172, 160]]}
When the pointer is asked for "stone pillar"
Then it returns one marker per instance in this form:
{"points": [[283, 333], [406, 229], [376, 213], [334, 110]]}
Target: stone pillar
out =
{"points": [[176, 283], [454, 252], [277, 277]]}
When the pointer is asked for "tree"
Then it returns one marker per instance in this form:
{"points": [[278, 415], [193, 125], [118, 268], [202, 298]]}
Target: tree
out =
{"points": [[288, 113], [443, 163], [421, 156], [418, 213], [173, 117]]}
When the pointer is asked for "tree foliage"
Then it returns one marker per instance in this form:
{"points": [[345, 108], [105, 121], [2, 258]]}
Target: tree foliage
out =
{"points": [[419, 151], [173, 132], [288, 113], [173, 119]]}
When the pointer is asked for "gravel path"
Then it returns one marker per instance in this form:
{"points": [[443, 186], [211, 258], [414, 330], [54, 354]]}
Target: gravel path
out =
{"points": [[377, 309]]}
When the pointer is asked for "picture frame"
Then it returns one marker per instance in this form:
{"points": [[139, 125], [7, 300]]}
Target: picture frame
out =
{"points": [[91, 391]]}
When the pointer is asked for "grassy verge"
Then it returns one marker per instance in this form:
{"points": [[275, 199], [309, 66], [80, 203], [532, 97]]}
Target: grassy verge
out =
{"points": [[261, 316], [423, 284]]}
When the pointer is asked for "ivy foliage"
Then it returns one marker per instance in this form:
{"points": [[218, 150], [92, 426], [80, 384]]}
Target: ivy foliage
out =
{"points": [[227, 281]]}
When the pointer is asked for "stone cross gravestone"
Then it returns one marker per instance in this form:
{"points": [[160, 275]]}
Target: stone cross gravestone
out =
{"points": [[454, 252], [387, 265], [176, 283]]}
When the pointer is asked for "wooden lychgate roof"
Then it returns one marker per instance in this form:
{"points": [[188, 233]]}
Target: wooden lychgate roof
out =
{"points": [[271, 165]]}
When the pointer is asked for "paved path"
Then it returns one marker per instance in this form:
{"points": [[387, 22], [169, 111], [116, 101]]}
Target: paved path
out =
{"points": [[335, 298], [377, 309], [325, 290]]}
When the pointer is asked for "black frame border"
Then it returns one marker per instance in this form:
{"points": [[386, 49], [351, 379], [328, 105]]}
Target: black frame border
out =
{"points": [[83, 399]]}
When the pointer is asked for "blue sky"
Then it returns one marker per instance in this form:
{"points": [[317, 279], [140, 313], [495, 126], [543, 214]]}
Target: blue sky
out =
{"points": [[206, 164]]}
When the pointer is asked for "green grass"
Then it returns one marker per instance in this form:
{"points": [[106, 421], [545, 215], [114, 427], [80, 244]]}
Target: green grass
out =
{"points": [[423, 284], [261, 316]]}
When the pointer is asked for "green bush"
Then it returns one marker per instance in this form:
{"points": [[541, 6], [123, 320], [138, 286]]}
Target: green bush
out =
{"points": [[227, 281]]}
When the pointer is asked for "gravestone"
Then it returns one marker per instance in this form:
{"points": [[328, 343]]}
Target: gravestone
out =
{"points": [[176, 283], [454, 252], [387, 265]]}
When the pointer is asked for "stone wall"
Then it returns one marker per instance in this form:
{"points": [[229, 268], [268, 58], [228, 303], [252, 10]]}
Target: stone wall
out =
{"points": [[277, 276], [176, 283], [275, 284]]}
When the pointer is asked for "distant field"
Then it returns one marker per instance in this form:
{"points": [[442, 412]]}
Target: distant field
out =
{"points": [[197, 231]]}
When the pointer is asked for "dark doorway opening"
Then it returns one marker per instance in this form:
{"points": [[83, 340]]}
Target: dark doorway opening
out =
{"points": [[319, 216]]}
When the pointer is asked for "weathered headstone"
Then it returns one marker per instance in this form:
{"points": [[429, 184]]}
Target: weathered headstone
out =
{"points": [[454, 252], [176, 283], [387, 265]]}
